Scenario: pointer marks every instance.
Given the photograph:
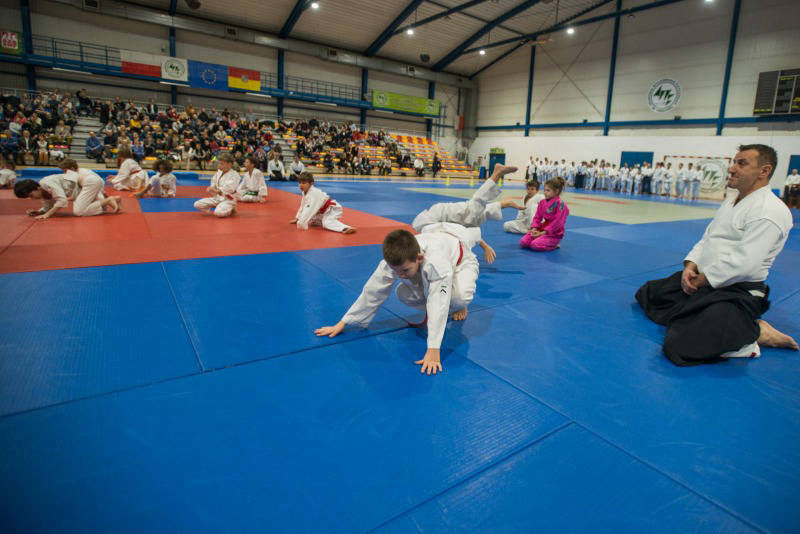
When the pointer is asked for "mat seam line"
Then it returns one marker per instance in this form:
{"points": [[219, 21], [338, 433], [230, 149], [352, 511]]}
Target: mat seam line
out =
{"points": [[624, 451], [183, 319], [17, 238], [500, 459]]}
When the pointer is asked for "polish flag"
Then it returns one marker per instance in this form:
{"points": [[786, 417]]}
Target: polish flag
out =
{"points": [[142, 64]]}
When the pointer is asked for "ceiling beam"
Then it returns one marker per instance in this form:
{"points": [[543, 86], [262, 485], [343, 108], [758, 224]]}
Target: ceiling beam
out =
{"points": [[471, 16], [496, 60], [388, 33], [438, 16], [294, 16], [564, 24], [457, 51]]}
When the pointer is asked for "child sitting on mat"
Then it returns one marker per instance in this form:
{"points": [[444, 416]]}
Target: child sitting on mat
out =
{"points": [[253, 188], [529, 204], [547, 227], [162, 184], [223, 188], [130, 177], [438, 274], [317, 208]]}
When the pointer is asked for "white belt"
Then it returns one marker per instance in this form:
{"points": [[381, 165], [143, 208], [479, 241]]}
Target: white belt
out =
{"points": [[757, 293]]}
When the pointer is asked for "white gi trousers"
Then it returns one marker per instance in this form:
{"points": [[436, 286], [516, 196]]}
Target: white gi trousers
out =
{"points": [[87, 202], [516, 227], [329, 219], [223, 206], [470, 213]]}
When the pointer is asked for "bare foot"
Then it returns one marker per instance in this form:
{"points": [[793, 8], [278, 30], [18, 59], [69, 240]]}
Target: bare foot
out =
{"points": [[500, 171], [510, 203], [770, 337], [460, 315], [349, 230]]}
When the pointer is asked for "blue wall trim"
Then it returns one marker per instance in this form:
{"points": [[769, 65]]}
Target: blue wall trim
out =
{"points": [[622, 124]]}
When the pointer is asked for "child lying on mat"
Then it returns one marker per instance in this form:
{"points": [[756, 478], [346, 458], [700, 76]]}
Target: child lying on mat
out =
{"points": [[162, 184], [317, 208], [438, 274]]}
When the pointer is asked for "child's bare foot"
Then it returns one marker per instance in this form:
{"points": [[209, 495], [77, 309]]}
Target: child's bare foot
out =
{"points": [[500, 171], [510, 203], [770, 337], [460, 315], [349, 230]]}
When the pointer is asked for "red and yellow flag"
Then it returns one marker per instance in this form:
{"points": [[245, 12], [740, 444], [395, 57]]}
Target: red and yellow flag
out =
{"points": [[250, 80]]}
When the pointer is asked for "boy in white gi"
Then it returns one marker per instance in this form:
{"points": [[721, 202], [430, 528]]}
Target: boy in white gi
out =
{"points": [[130, 177], [522, 224], [317, 208], [56, 190], [8, 175], [712, 308], [223, 188], [163, 183], [253, 188], [438, 275]]}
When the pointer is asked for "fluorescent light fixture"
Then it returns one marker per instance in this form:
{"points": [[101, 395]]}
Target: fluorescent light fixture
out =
{"points": [[72, 71], [314, 5], [326, 104], [482, 52], [410, 31], [262, 95], [174, 83], [570, 31]]}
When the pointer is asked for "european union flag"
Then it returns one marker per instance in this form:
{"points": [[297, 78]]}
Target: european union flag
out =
{"points": [[208, 75]]}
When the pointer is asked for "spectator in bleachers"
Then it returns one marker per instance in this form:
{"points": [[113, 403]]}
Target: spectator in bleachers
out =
{"points": [[62, 134], [85, 104], [437, 164], [27, 147], [9, 145], [385, 166], [42, 150], [94, 147]]}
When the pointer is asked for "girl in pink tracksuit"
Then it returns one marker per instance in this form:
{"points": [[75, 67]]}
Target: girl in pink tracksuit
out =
{"points": [[547, 227]]}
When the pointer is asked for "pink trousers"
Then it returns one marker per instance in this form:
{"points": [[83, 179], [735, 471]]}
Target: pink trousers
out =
{"points": [[542, 243]]}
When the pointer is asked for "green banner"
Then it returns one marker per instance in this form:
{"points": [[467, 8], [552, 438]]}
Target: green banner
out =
{"points": [[410, 104], [11, 42], [497, 151]]}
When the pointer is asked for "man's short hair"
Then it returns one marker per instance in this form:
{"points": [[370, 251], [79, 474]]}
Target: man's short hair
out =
{"points": [[766, 155], [225, 157], [306, 177], [24, 188], [400, 246]]}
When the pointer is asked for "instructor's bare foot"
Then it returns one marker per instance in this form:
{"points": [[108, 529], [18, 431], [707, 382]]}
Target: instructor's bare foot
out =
{"points": [[460, 315], [500, 171], [349, 230], [770, 337]]}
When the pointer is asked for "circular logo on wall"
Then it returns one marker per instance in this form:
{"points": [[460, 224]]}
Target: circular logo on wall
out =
{"points": [[380, 99], [174, 69], [664, 95], [715, 173]]}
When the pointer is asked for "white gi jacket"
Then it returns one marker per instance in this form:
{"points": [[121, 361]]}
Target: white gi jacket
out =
{"points": [[254, 182], [742, 240], [62, 187], [525, 216], [227, 183], [435, 279], [312, 203]]}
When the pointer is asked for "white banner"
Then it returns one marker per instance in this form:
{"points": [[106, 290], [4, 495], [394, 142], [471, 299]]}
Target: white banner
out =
{"points": [[715, 173], [175, 69]]}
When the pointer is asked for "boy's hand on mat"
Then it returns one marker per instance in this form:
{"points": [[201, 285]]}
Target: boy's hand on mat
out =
{"points": [[43, 216], [293, 221], [32, 213], [331, 331], [430, 362]]}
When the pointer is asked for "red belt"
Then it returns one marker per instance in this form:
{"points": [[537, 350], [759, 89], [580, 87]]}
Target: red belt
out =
{"points": [[229, 197], [325, 206], [460, 253]]}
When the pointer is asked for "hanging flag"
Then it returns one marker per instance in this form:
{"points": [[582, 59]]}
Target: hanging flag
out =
{"points": [[175, 69], [142, 64], [208, 75], [244, 79]]}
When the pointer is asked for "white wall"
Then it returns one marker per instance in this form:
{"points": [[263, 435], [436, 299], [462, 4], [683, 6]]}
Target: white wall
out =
{"points": [[320, 69], [384, 81], [577, 148], [503, 89]]}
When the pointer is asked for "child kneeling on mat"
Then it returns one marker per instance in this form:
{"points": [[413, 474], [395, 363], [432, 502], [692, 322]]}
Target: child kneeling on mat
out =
{"points": [[56, 190], [317, 208], [223, 188], [547, 227], [438, 274]]}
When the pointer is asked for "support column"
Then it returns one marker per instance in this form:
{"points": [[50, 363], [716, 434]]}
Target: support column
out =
{"points": [[364, 89], [737, 6], [27, 36], [612, 70], [173, 90], [280, 81], [530, 92], [429, 122]]}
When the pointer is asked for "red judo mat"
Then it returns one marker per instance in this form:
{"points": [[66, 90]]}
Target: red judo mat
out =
{"points": [[65, 241]]}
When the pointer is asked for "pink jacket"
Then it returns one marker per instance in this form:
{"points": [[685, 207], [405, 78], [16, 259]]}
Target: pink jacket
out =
{"points": [[551, 216]]}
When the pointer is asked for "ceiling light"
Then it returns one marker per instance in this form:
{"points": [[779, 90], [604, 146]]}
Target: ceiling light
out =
{"points": [[314, 5], [410, 31], [482, 52], [570, 31]]}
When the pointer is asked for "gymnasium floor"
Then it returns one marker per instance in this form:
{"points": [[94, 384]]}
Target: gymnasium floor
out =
{"points": [[160, 374]]}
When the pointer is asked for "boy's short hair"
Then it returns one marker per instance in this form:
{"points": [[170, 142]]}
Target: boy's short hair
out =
{"points": [[226, 157], [124, 153], [68, 164], [252, 159], [24, 188], [306, 177], [400, 246], [164, 165], [532, 183]]}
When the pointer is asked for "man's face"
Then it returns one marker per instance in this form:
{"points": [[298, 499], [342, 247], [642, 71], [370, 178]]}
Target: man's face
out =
{"points": [[407, 269], [745, 170]]}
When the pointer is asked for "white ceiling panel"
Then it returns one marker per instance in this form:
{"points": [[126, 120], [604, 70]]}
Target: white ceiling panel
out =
{"points": [[267, 17]]}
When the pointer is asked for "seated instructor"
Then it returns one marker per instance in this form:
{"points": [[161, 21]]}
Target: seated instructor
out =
{"points": [[711, 309]]}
